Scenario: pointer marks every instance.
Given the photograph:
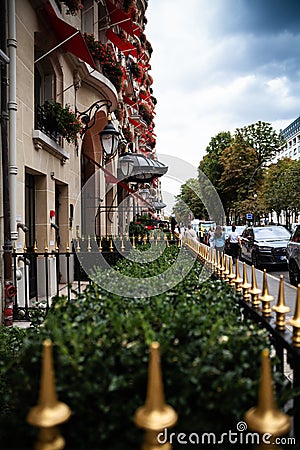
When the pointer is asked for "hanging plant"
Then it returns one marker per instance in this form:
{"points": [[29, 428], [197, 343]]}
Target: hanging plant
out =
{"points": [[73, 6], [56, 119], [128, 135], [111, 68], [127, 4], [135, 70], [145, 114]]}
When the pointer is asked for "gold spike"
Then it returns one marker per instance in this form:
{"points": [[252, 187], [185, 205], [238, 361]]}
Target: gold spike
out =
{"points": [[145, 239], [245, 285], [238, 279], [226, 270], [122, 245], [166, 241], [89, 248], [222, 266], [266, 298], [179, 242], [56, 247], [133, 242], [35, 248], [49, 412], [231, 275], [139, 238], [67, 247], [46, 247], [100, 245], [281, 308], [78, 246], [295, 321], [24, 247], [254, 291], [82, 238], [266, 417], [111, 249], [155, 415]]}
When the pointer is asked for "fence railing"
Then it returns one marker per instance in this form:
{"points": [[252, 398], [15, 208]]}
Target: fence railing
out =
{"points": [[39, 276], [256, 303]]}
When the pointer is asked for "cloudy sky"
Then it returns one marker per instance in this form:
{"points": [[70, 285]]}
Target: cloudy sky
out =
{"points": [[222, 64]]}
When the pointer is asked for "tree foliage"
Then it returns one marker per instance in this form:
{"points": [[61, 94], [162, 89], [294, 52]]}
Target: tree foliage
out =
{"points": [[263, 139], [188, 203]]}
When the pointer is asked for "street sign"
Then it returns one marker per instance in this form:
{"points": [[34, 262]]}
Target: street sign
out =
{"points": [[249, 216]]}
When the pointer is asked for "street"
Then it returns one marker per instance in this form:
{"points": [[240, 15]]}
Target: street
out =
{"points": [[273, 274]]}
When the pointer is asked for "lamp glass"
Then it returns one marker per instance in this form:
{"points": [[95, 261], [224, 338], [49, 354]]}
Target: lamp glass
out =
{"points": [[126, 165]]}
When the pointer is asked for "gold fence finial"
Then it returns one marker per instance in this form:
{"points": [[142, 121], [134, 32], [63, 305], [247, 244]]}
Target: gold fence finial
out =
{"points": [[266, 417], [111, 248], [49, 412], [254, 291], [133, 242], [245, 285], [295, 321], [35, 248], [155, 416], [238, 279], [231, 275], [281, 308], [266, 298], [89, 247]]}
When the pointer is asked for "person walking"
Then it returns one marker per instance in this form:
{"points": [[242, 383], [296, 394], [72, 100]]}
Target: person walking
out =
{"points": [[219, 238], [191, 233], [211, 237], [234, 244]]}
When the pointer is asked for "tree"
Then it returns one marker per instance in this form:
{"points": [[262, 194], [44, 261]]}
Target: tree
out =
{"points": [[239, 162], [281, 189], [210, 163], [263, 139], [188, 202]]}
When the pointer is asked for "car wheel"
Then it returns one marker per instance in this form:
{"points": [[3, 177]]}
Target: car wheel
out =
{"points": [[294, 273], [255, 260]]}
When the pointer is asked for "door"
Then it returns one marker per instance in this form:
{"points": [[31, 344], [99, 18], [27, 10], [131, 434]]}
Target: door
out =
{"points": [[30, 216]]}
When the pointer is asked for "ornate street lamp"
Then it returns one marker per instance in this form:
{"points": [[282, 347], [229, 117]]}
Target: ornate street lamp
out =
{"points": [[109, 136], [126, 165]]}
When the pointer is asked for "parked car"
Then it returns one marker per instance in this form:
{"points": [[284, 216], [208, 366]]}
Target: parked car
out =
{"points": [[264, 246], [293, 256]]}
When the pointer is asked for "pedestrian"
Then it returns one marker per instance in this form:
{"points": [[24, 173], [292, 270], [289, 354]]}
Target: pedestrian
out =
{"points": [[211, 237], [173, 224], [234, 244], [190, 233], [219, 238]]}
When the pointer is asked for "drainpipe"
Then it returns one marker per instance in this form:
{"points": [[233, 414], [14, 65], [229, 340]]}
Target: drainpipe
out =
{"points": [[7, 247], [12, 110]]}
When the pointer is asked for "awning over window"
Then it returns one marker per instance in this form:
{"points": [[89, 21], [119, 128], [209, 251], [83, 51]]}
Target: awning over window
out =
{"points": [[122, 19], [124, 46], [135, 122], [76, 44], [144, 169]]}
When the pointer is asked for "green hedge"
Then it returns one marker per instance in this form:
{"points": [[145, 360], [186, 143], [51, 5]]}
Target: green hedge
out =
{"points": [[210, 361]]}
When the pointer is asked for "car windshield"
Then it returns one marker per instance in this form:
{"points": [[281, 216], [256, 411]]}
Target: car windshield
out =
{"points": [[271, 233]]}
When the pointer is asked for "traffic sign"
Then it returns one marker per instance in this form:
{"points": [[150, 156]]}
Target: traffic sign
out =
{"points": [[249, 216]]}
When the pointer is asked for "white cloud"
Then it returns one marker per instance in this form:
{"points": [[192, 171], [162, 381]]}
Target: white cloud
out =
{"points": [[211, 76]]}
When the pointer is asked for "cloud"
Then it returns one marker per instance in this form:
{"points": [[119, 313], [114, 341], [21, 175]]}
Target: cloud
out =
{"points": [[221, 65]]}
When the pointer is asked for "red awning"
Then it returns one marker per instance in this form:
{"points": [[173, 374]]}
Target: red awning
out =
{"points": [[135, 122], [130, 102], [124, 46], [120, 18], [76, 44]]}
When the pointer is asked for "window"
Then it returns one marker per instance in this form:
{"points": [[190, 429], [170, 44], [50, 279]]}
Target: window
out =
{"points": [[87, 23]]}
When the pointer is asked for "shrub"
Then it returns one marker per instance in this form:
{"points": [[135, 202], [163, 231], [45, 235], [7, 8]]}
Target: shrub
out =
{"points": [[210, 359]]}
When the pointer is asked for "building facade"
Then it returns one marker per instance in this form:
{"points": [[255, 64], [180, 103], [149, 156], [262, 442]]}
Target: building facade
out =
{"points": [[74, 68]]}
